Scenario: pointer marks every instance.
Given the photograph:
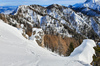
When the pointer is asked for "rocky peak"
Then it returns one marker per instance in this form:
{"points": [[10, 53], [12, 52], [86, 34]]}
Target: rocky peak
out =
{"points": [[37, 6], [92, 1], [55, 6]]}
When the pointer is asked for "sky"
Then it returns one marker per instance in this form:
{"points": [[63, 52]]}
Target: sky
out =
{"points": [[39, 2]]}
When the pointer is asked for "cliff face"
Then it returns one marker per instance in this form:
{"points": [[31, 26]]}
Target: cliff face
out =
{"points": [[55, 27]]}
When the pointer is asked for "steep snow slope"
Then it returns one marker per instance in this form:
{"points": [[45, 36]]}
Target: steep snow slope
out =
{"points": [[15, 50], [84, 54]]}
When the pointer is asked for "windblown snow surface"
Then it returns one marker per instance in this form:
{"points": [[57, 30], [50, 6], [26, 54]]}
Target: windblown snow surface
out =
{"points": [[15, 50]]}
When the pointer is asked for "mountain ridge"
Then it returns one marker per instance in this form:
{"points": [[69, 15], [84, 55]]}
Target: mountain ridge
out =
{"points": [[56, 27]]}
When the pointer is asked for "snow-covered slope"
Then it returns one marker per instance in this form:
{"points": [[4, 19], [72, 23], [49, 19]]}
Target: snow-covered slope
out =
{"points": [[85, 51], [93, 4], [15, 50], [35, 22]]}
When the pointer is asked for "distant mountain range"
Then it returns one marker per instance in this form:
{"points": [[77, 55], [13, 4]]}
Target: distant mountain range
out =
{"points": [[7, 9]]}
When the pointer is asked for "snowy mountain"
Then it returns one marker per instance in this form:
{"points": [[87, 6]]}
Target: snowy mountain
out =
{"points": [[93, 4], [90, 8], [91, 1], [56, 28], [15, 50], [54, 23]]}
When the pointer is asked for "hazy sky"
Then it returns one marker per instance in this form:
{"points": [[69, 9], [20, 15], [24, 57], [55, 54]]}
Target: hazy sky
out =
{"points": [[40, 2]]}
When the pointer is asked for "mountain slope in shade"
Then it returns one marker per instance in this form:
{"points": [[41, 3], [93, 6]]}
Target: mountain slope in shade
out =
{"points": [[15, 50]]}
